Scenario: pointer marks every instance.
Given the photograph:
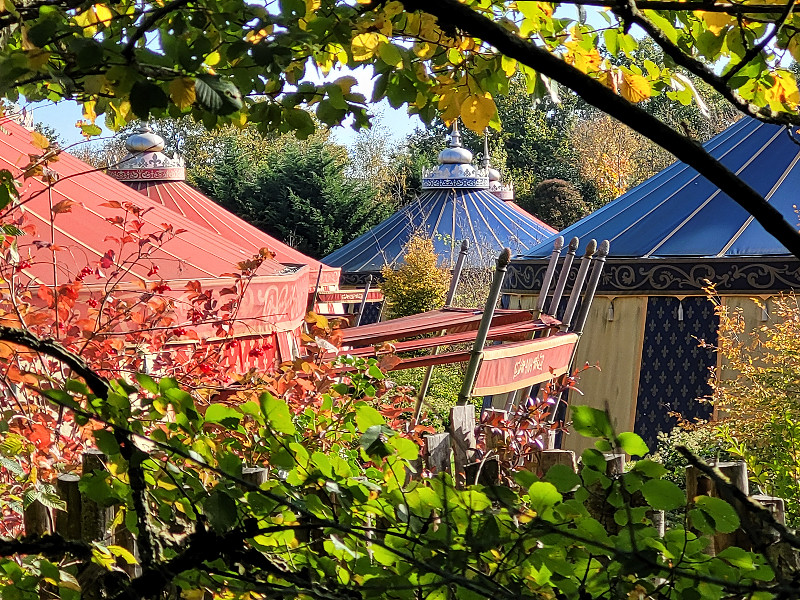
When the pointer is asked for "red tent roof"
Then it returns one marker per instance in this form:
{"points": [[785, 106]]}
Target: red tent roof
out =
{"points": [[95, 226], [202, 210], [87, 232]]}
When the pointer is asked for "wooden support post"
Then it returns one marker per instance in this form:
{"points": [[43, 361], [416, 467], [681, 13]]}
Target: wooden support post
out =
{"points": [[493, 416], [697, 484], [776, 506], [563, 275], [462, 438], [659, 522], [68, 522], [598, 263], [551, 458], [438, 452], [37, 519], [577, 285], [597, 505]]}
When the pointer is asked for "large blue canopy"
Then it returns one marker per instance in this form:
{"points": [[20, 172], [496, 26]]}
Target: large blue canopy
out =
{"points": [[448, 216], [678, 213]]}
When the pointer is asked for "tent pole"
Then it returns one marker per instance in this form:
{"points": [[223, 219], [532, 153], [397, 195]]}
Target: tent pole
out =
{"points": [[363, 301], [451, 293], [483, 329]]}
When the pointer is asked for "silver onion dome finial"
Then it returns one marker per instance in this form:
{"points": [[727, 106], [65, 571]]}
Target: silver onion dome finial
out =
{"points": [[455, 154]]}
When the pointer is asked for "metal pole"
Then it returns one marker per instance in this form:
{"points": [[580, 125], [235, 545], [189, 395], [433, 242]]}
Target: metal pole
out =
{"points": [[363, 301], [599, 261], [451, 293], [577, 287], [462, 254], [483, 329], [562, 277], [548, 275], [316, 290]]}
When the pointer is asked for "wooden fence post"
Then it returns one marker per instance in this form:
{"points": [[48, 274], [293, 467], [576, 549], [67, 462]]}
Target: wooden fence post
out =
{"points": [[462, 437], [37, 519], [438, 452], [68, 522], [551, 458], [255, 475], [698, 484], [95, 519]]}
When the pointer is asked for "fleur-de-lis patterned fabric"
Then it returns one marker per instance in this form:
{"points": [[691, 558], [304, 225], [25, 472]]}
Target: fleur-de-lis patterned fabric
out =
{"points": [[675, 367]]}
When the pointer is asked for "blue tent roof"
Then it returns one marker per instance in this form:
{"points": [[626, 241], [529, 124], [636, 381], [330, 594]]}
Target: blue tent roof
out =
{"points": [[448, 216], [678, 213]]}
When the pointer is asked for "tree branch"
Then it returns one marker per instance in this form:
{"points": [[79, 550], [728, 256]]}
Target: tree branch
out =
{"points": [[46, 545], [452, 13], [147, 23]]}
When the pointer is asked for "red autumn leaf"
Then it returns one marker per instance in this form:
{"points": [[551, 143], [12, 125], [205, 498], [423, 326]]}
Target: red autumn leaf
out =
{"points": [[46, 294], [62, 207], [108, 259]]}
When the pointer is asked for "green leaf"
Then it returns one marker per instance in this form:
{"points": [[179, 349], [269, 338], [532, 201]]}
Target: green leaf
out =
{"points": [[724, 516], [146, 96], [663, 495], [543, 495], [147, 383], [366, 417], [372, 441], [563, 478], [632, 444], [218, 96], [220, 509], [224, 415], [277, 414], [590, 422], [650, 469]]}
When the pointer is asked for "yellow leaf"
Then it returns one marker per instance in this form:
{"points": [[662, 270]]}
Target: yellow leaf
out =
{"points": [[39, 140], [450, 104], [477, 112], [424, 50], [635, 88], [256, 36], [103, 13], [182, 92], [38, 58], [212, 59], [365, 45], [716, 21], [312, 5], [88, 111]]}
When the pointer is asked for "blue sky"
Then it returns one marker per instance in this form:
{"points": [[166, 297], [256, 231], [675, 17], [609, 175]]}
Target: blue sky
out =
{"points": [[63, 116]]}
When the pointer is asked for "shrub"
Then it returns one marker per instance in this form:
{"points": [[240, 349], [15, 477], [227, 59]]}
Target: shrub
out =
{"points": [[419, 284]]}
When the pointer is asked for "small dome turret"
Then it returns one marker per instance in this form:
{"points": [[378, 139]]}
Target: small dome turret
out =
{"points": [[146, 160], [455, 168], [144, 140]]}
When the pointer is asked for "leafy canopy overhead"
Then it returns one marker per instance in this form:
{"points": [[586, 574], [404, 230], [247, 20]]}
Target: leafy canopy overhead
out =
{"points": [[216, 58]]}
